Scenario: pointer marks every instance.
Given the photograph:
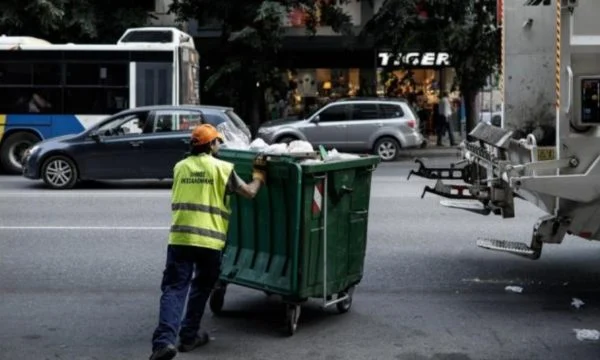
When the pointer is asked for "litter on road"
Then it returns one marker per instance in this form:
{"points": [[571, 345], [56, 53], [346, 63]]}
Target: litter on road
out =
{"points": [[515, 289], [577, 303], [587, 334]]}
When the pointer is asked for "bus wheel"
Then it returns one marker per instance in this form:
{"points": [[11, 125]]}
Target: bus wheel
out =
{"points": [[12, 151]]}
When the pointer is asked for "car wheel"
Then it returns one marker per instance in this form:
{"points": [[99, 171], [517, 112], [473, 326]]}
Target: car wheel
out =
{"points": [[286, 140], [387, 148], [59, 172], [13, 150]]}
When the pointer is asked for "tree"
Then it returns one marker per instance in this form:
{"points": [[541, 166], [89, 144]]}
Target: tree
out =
{"points": [[464, 28], [77, 21], [252, 34]]}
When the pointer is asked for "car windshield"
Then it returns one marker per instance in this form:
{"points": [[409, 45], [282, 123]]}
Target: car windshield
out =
{"points": [[115, 123]]}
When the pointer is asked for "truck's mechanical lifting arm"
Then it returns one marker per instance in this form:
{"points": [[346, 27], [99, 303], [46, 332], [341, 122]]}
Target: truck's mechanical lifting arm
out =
{"points": [[498, 166]]}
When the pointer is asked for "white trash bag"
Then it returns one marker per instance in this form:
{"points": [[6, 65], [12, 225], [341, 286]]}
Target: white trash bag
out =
{"points": [[333, 155], [300, 146], [234, 138], [258, 145], [277, 149]]}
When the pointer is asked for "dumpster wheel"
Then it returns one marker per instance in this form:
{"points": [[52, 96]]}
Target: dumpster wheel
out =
{"points": [[217, 299], [292, 316], [344, 306]]}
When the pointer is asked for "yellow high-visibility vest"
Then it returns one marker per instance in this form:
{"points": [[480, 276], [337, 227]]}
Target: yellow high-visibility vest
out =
{"points": [[199, 202]]}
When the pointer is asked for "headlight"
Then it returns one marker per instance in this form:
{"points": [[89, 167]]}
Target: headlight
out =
{"points": [[32, 150]]}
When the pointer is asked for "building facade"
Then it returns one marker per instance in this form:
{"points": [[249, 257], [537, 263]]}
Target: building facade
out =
{"points": [[329, 66]]}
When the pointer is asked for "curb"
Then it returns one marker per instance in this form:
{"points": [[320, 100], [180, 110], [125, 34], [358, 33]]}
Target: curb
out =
{"points": [[434, 153]]}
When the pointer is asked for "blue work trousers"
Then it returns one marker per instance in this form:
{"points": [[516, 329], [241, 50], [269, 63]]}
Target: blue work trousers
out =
{"points": [[183, 263]]}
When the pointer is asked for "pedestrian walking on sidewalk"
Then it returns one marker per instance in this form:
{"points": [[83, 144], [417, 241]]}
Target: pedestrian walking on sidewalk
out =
{"points": [[445, 120], [200, 218]]}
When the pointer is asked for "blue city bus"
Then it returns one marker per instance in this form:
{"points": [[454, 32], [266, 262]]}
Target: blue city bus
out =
{"points": [[48, 90]]}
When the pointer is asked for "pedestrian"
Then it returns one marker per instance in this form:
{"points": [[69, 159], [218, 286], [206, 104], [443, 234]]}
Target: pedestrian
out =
{"points": [[200, 218], [445, 120]]}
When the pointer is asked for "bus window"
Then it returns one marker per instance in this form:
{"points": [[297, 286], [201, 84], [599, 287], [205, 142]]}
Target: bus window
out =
{"points": [[47, 74], [97, 74], [14, 73], [96, 101], [28, 100]]}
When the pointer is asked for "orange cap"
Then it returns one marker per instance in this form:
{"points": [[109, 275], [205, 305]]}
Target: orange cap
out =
{"points": [[204, 134]]}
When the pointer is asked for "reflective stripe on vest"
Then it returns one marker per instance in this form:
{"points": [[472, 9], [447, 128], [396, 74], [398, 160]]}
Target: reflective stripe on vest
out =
{"points": [[202, 208], [199, 204]]}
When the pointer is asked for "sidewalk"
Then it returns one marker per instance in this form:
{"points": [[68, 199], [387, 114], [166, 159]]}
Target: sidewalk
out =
{"points": [[433, 150]]}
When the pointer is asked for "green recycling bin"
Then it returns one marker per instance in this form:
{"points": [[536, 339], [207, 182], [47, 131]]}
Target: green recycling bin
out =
{"points": [[303, 236]]}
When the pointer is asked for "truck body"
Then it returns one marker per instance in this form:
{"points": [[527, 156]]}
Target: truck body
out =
{"points": [[547, 150]]}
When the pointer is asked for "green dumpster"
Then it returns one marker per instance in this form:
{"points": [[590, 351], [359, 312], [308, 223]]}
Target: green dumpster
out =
{"points": [[303, 236]]}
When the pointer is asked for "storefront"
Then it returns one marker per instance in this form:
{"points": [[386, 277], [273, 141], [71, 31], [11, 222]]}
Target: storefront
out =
{"points": [[318, 70], [316, 76], [419, 77]]}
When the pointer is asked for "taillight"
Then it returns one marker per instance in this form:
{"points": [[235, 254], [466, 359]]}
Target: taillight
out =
{"points": [[412, 123]]}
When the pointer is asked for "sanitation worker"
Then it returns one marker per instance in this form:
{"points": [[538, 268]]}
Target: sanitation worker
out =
{"points": [[200, 217]]}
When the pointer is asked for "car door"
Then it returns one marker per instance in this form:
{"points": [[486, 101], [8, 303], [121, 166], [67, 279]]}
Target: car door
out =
{"points": [[328, 126], [169, 141], [114, 152], [366, 121]]}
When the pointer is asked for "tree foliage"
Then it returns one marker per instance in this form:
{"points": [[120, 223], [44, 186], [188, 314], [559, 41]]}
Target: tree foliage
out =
{"points": [[71, 20], [252, 34], [466, 29]]}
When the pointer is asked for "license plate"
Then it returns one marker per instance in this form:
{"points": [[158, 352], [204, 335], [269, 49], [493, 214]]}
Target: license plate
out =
{"points": [[546, 153]]}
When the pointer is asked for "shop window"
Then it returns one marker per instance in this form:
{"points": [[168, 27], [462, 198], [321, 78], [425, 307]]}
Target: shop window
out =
{"points": [[391, 111], [335, 113], [365, 112]]}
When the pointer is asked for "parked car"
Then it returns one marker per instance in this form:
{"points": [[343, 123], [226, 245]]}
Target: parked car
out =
{"points": [[225, 116], [140, 143], [378, 125]]}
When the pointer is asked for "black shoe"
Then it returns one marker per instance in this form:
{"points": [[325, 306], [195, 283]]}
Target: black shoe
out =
{"points": [[200, 340], [165, 353]]}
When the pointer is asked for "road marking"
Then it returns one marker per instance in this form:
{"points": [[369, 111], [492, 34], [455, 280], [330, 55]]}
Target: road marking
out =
{"points": [[124, 193], [84, 227]]}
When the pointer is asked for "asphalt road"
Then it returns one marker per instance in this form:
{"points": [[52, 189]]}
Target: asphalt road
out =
{"points": [[80, 273]]}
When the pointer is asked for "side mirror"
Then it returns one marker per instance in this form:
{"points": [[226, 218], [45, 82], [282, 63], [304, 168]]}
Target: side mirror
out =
{"points": [[95, 136], [316, 119]]}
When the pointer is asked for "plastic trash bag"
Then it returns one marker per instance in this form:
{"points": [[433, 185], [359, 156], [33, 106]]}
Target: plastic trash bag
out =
{"points": [[277, 149], [234, 137], [258, 144], [587, 334], [300, 146], [311, 161], [333, 155], [515, 289]]}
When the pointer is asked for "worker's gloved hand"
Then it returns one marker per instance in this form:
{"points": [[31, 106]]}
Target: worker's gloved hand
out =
{"points": [[259, 170]]}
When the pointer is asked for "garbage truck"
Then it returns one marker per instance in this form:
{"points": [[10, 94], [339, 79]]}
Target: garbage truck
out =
{"points": [[551, 88]]}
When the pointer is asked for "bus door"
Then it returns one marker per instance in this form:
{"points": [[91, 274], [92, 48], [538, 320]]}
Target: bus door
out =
{"points": [[153, 84]]}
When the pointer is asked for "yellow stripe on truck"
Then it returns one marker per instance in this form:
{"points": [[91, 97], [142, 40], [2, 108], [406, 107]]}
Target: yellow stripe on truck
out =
{"points": [[2, 125]]}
